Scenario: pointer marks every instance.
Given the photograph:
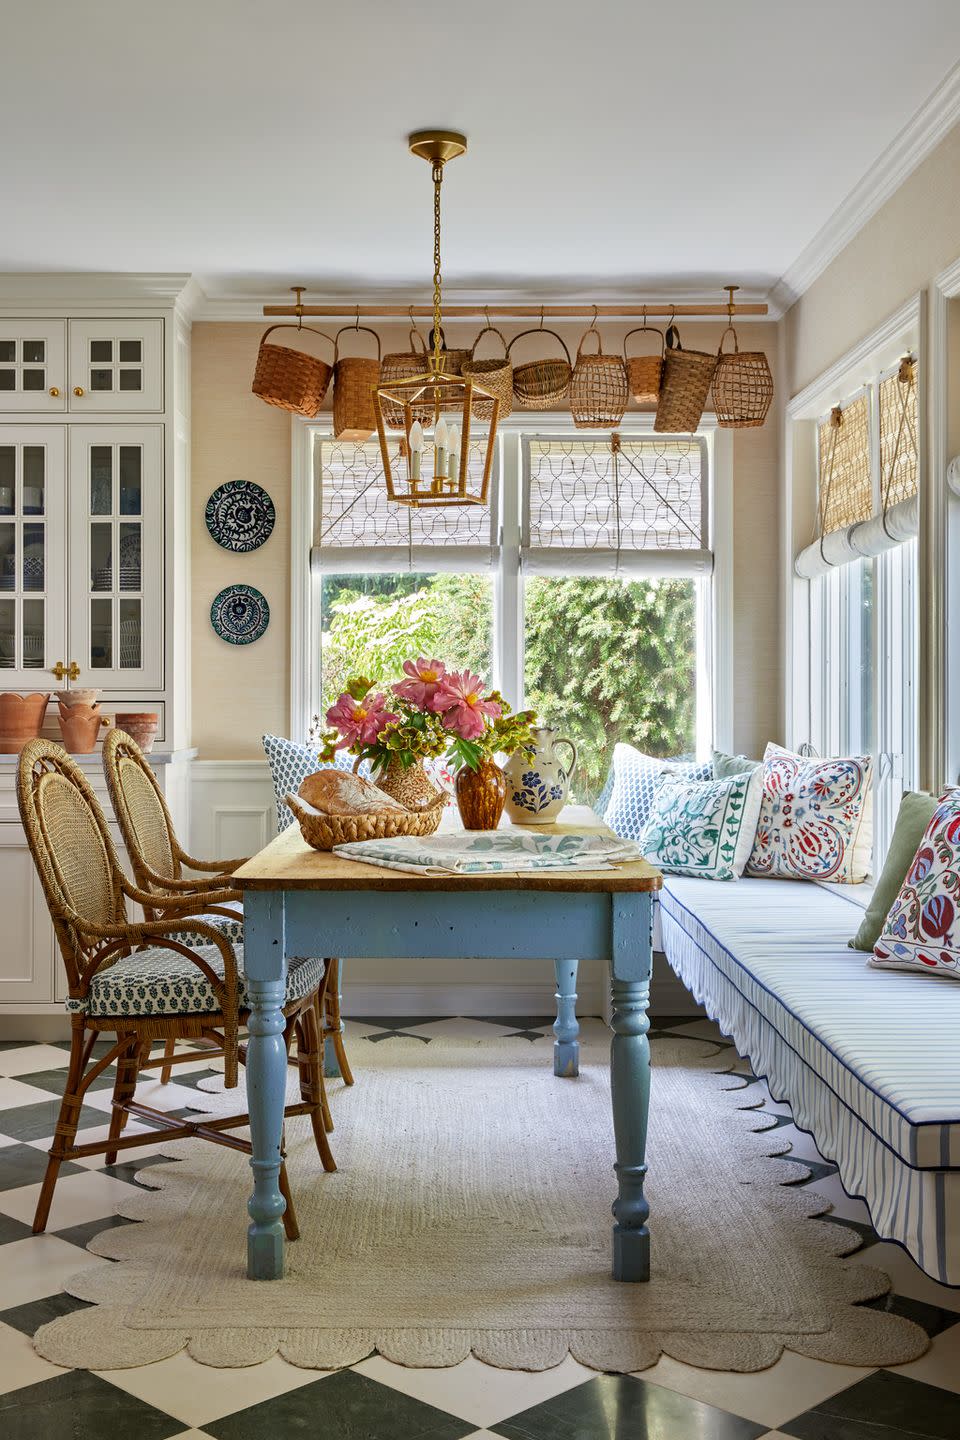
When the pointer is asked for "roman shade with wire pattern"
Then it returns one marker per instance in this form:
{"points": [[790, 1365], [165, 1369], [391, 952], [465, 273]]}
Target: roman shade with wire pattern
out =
{"points": [[616, 505], [858, 517], [358, 529]]}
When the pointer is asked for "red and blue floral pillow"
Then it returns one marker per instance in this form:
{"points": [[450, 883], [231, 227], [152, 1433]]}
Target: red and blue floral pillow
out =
{"points": [[922, 930]]}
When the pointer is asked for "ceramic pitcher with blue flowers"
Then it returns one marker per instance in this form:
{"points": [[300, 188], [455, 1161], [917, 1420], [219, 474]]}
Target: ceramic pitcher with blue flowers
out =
{"points": [[537, 785]]}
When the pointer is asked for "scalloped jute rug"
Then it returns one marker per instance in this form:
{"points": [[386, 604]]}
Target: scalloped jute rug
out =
{"points": [[471, 1213]]}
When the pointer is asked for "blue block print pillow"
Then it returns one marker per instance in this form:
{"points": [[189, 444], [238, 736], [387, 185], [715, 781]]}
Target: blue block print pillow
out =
{"points": [[290, 764], [635, 780]]}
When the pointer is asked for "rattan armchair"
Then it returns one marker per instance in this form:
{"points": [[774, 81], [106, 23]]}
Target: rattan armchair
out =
{"points": [[140, 980], [158, 860]]}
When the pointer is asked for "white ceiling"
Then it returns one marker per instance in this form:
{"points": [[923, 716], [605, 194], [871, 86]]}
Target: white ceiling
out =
{"points": [[615, 145]]}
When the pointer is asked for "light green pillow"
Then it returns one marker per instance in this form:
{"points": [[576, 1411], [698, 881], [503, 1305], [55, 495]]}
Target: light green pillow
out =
{"points": [[725, 765], [913, 817]]}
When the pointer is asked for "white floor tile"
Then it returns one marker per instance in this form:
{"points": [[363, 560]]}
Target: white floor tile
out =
{"points": [[461, 1028], [768, 1397], [192, 1435], [77, 1199], [14, 1093], [906, 1278], [32, 1058], [941, 1364], [38, 1266], [19, 1363], [149, 1092], [199, 1394], [480, 1393]]}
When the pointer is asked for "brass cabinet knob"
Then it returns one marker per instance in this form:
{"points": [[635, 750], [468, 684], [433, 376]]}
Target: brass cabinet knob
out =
{"points": [[54, 391], [78, 389]]}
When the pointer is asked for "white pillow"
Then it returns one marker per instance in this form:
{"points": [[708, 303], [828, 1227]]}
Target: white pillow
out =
{"points": [[703, 828], [816, 818], [635, 780]]}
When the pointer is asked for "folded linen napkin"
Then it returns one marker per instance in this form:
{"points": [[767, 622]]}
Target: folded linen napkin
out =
{"points": [[483, 853]]}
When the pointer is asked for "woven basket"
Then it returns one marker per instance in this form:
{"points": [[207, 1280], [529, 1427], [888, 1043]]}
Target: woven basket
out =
{"points": [[742, 386], [684, 388], [541, 384], [324, 831], [355, 378], [403, 365], [493, 375], [644, 372], [451, 363], [598, 388], [291, 379]]}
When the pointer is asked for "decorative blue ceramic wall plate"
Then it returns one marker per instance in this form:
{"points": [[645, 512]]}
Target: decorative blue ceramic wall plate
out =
{"points": [[240, 516], [240, 614]]}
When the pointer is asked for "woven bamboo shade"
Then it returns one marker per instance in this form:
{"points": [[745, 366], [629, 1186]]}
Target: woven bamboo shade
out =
{"points": [[598, 388], [899, 451], [843, 456]]}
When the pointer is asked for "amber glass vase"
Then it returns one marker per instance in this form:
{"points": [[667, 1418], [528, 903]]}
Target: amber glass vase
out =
{"points": [[481, 794]]}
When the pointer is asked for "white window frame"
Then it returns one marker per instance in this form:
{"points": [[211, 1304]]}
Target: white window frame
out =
{"points": [[714, 720]]}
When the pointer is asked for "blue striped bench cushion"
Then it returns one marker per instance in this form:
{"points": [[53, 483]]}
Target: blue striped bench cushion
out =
{"points": [[867, 1068]]}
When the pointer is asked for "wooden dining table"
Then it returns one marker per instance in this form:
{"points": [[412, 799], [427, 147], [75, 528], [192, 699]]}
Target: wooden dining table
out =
{"points": [[299, 901]]}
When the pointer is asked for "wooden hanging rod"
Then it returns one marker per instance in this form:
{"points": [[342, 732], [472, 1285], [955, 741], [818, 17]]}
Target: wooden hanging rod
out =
{"points": [[654, 311]]}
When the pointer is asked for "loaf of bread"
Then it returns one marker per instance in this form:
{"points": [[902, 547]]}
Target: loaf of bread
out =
{"points": [[336, 792]]}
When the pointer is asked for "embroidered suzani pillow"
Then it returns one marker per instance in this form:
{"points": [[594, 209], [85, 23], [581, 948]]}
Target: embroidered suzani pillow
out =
{"points": [[816, 818], [703, 828], [921, 931]]}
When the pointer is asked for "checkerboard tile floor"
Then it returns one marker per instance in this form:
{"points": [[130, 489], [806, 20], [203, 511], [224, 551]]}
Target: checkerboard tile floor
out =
{"points": [[178, 1398]]}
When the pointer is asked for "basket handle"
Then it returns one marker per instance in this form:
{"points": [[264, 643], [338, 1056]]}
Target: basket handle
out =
{"points": [[639, 330], [490, 330], [345, 328], [672, 337], [413, 337], [592, 331], [313, 331], [539, 330], [736, 343]]}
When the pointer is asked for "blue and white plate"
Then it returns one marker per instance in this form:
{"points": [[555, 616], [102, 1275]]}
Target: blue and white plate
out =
{"points": [[240, 614], [240, 516]]}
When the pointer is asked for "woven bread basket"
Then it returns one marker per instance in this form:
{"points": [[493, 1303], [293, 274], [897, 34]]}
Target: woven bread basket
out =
{"points": [[494, 375], [541, 384], [323, 832], [598, 388], [644, 372], [684, 388], [355, 377], [403, 365], [742, 386], [291, 379]]}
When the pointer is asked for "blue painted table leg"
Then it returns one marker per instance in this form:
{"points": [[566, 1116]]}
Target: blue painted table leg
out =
{"points": [[566, 1047], [265, 966], [630, 1081], [331, 1065]]}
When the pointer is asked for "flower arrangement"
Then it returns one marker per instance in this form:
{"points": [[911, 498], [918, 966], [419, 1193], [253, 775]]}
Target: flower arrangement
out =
{"points": [[432, 711]]}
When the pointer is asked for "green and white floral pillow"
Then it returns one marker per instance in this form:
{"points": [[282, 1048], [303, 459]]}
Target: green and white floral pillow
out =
{"points": [[703, 828]]}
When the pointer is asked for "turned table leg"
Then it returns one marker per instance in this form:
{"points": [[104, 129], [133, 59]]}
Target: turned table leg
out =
{"points": [[566, 1029], [630, 966], [266, 967]]}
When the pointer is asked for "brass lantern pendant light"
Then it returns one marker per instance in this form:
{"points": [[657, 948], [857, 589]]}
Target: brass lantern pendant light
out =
{"points": [[432, 467]]}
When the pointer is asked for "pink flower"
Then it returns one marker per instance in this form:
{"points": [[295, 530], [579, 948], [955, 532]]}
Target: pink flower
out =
{"points": [[424, 678], [360, 720], [459, 701]]}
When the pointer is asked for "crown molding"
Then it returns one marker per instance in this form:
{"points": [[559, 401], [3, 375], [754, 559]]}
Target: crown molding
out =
{"points": [[61, 290], [918, 139]]}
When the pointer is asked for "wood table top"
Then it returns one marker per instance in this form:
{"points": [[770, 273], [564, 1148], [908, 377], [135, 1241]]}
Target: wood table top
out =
{"points": [[289, 863]]}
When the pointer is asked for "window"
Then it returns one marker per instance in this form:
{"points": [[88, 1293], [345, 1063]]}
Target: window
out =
{"points": [[583, 591]]}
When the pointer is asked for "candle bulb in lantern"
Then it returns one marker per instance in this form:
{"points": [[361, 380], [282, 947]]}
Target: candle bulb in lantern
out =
{"points": [[453, 449], [416, 449], [440, 438]]}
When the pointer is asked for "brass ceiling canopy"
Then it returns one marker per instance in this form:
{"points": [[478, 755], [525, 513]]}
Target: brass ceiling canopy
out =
{"points": [[437, 145]]}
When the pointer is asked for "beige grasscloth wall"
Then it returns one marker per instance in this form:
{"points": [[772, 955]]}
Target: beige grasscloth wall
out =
{"points": [[241, 691]]}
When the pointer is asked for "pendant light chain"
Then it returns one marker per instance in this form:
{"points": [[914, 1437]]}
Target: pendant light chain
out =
{"points": [[437, 182]]}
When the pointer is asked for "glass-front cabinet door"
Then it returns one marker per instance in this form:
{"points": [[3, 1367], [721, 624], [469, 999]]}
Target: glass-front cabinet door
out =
{"points": [[33, 601], [116, 555], [116, 365], [33, 365]]}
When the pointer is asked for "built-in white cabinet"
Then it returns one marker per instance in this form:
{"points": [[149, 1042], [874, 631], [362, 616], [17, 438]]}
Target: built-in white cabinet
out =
{"points": [[33, 560], [81, 367]]}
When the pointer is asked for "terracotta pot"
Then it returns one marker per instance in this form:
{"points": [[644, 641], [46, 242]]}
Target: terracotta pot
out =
{"points": [[21, 717], [140, 725], [78, 697], [481, 794], [80, 727]]}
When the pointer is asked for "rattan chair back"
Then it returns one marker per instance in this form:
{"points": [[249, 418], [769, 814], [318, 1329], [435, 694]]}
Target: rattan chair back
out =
{"points": [[74, 855], [141, 811]]}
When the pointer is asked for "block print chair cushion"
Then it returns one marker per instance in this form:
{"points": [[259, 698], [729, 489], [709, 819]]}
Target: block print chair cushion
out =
{"points": [[159, 981]]}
